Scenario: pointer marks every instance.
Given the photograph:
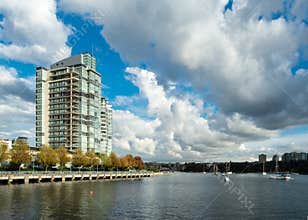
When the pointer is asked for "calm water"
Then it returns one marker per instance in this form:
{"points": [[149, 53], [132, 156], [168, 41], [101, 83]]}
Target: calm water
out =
{"points": [[178, 196]]}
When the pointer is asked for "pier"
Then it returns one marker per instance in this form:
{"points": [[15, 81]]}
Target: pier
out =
{"points": [[39, 177]]}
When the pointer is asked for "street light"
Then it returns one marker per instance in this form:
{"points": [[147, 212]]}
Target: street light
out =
{"points": [[33, 160]]}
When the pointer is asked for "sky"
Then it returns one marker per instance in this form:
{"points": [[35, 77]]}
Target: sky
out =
{"points": [[211, 80]]}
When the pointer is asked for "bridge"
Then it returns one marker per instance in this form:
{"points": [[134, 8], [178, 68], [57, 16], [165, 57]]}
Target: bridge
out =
{"points": [[38, 177]]}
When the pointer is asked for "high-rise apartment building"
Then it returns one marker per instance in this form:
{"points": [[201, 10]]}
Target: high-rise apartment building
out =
{"points": [[106, 126], [68, 104]]}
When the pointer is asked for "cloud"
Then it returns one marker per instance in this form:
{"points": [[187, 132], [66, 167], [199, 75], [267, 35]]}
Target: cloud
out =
{"points": [[31, 32], [239, 59], [17, 107], [175, 128]]}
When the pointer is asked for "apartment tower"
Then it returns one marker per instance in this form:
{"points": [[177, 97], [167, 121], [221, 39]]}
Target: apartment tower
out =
{"points": [[68, 104]]}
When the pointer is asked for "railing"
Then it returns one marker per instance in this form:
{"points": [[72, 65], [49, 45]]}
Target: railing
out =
{"points": [[5, 173]]}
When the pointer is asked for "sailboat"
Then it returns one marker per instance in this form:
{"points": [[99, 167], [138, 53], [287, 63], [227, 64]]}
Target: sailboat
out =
{"points": [[203, 169], [215, 169], [228, 171], [226, 177], [264, 173], [280, 176]]}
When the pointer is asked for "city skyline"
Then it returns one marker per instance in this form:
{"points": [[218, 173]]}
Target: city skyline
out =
{"points": [[222, 81]]}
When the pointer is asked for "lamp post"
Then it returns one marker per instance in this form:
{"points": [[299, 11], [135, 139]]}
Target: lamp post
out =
{"points": [[33, 160]]}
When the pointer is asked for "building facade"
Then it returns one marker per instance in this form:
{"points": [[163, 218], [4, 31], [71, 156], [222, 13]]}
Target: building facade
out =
{"points": [[68, 104], [7, 142], [275, 158], [262, 158], [294, 156], [106, 126]]}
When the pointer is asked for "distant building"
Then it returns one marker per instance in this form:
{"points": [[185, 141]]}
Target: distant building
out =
{"points": [[24, 139], [262, 158], [275, 158], [8, 142], [294, 156]]}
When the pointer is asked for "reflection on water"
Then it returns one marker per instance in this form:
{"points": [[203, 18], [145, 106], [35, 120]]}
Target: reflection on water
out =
{"points": [[178, 196]]}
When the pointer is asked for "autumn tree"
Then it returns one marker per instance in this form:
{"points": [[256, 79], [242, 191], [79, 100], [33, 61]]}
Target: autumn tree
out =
{"points": [[20, 153], [47, 156], [106, 161], [115, 161], [92, 159], [138, 163], [62, 156], [130, 160], [3, 152], [79, 158], [124, 162]]}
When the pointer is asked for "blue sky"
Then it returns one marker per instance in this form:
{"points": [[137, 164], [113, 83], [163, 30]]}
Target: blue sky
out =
{"points": [[196, 81]]}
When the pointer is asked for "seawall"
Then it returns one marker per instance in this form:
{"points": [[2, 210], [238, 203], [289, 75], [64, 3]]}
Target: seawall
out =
{"points": [[39, 177]]}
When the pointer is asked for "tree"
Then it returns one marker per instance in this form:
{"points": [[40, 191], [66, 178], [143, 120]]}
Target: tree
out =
{"points": [[115, 161], [62, 156], [106, 162], [79, 159], [20, 153], [3, 152], [47, 156], [123, 162], [138, 163], [130, 160], [92, 159]]}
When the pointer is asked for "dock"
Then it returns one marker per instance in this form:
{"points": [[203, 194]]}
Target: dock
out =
{"points": [[39, 177]]}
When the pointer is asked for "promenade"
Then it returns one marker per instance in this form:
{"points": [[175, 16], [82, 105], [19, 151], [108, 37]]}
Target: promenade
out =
{"points": [[41, 176]]}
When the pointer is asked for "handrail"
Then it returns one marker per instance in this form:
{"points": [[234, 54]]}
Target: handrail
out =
{"points": [[20, 173]]}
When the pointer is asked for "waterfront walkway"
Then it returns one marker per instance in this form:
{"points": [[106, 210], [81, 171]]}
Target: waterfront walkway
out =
{"points": [[38, 176]]}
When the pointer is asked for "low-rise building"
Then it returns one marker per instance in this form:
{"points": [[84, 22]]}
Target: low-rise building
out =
{"points": [[24, 139], [294, 156], [8, 142]]}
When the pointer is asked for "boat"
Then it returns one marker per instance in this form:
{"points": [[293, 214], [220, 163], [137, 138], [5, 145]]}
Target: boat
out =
{"points": [[264, 173], [227, 172], [226, 179], [215, 169], [203, 169], [228, 168], [282, 176]]}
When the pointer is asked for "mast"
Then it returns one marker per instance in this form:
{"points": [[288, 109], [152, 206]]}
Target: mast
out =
{"points": [[276, 167]]}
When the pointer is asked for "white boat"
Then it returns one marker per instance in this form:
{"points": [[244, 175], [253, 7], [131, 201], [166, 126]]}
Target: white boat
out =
{"points": [[264, 173], [229, 173], [226, 178], [282, 176]]}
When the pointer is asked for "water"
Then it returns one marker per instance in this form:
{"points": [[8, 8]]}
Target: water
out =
{"points": [[178, 196]]}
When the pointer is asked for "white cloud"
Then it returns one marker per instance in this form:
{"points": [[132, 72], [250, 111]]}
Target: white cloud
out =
{"points": [[32, 32], [242, 57], [17, 107], [175, 128]]}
